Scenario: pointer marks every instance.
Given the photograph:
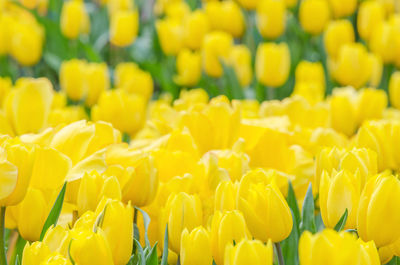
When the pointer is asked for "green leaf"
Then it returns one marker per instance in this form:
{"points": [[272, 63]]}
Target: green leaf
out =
{"points": [[142, 258], [146, 222], [308, 219], [233, 88], [292, 202], [152, 258], [342, 222], [55, 212], [18, 250], [290, 244], [164, 260], [17, 260]]}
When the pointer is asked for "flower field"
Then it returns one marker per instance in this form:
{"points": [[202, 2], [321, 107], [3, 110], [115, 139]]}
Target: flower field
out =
{"points": [[173, 132]]}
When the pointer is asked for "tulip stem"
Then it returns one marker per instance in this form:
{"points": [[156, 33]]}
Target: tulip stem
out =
{"points": [[279, 252], [3, 257]]}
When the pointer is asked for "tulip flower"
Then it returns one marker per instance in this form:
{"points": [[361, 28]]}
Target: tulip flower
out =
{"points": [[310, 72], [188, 66], [35, 253], [249, 252], [170, 34], [272, 64], [338, 33], [195, 28], [370, 15], [124, 27], [314, 15], [240, 59], [248, 4], [384, 41], [74, 20], [343, 8], [394, 90], [72, 79], [225, 196], [216, 47], [271, 18], [97, 81], [191, 243]]}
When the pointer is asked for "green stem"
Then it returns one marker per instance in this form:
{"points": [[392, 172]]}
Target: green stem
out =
{"points": [[3, 257], [279, 252], [271, 93], [135, 214]]}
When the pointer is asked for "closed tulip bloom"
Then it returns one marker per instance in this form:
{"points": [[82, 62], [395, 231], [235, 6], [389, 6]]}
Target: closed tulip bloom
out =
{"points": [[124, 27], [188, 66], [56, 259], [26, 32], [370, 14], [191, 243], [377, 70], [74, 19], [384, 41], [117, 225], [226, 228], [272, 64], [170, 34], [248, 4], [118, 5], [6, 22], [380, 196], [195, 28], [312, 92], [177, 10], [339, 192], [343, 8], [394, 90], [73, 79], [182, 211], [370, 104], [291, 3], [216, 47], [249, 252], [341, 106], [275, 220], [310, 72], [125, 111], [225, 196], [35, 253], [338, 33], [314, 15], [98, 80], [226, 16], [271, 18], [240, 59]]}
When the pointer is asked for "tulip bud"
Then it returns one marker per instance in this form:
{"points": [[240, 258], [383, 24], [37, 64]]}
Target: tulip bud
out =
{"points": [[216, 47], [240, 58], [118, 5], [56, 259], [35, 253], [6, 22], [188, 66], [343, 8], [226, 228], [312, 92], [248, 4], [275, 220], [314, 15], [394, 90], [177, 10], [249, 252], [170, 34], [370, 104], [124, 27], [370, 14], [272, 64], [338, 33], [72, 79], [225, 196], [341, 106], [378, 198], [97, 80], [271, 18], [58, 238], [191, 243], [195, 28], [311, 72], [384, 40], [182, 211], [74, 20]]}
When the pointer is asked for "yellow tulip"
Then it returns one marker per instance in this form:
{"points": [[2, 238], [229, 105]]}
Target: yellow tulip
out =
{"points": [[181, 211], [394, 90], [256, 193], [341, 106], [370, 104], [377, 70], [312, 72], [177, 10], [216, 47], [35, 253], [125, 111], [370, 15], [271, 18], [291, 3], [170, 34], [117, 225], [124, 27], [5, 88], [56, 259], [226, 227], [58, 238], [225, 196], [272, 64], [118, 5], [6, 23], [384, 41], [188, 65], [240, 59], [74, 19], [97, 80], [72, 79], [248, 4], [338, 33], [312, 92], [343, 8], [380, 196], [339, 192], [249, 252], [314, 15], [191, 243], [195, 28]]}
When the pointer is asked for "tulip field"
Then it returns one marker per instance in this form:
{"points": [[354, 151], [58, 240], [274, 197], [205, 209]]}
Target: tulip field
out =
{"points": [[199, 132]]}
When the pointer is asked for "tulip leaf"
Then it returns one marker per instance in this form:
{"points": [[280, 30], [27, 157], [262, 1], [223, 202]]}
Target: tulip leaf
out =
{"points": [[342, 222], [142, 258], [164, 260], [308, 220], [290, 244], [319, 223], [233, 87], [152, 258], [17, 261], [55, 212], [146, 222], [292, 202], [18, 250]]}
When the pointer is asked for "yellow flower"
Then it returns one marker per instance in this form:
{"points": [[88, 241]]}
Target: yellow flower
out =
{"points": [[56, 259], [370, 104], [338, 33], [74, 20], [370, 15], [35, 253], [314, 15], [191, 243], [256, 192], [291, 3], [271, 18], [394, 90], [6, 23], [226, 227], [377, 70], [181, 211], [249, 252], [125, 111], [385, 41], [248, 4], [170, 34], [312, 92], [343, 8], [225, 196], [124, 27], [97, 80], [188, 65], [216, 47], [272, 64], [177, 10], [5, 88], [118, 5], [380, 196], [195, 28], [310, 72], [240, 59], [72, 79]]}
